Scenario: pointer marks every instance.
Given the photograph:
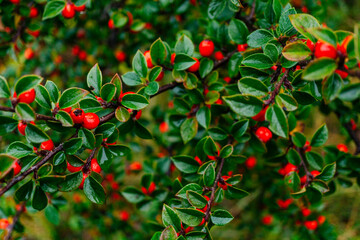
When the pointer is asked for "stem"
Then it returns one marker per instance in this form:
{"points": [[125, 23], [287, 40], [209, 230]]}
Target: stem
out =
{"points": [[276, 90], [15, 220], [87, 165], [38, 116], [309, 176]]}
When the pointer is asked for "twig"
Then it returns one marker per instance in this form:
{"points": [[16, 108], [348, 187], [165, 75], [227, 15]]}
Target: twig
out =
{"points": [[309, 176], [15, 220], [278, 85], [38, 116], [87, 165]]}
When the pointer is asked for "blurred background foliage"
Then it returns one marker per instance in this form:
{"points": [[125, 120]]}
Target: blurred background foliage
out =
{"points": [[79, 219]]}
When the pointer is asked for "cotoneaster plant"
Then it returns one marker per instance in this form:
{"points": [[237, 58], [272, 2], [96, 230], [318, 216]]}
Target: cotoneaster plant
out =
{"points": [[194, 115]]}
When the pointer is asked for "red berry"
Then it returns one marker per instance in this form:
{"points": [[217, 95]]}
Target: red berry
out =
{"points": [[124, 215], [311, 225], [95, 165], [304, 9], [303, 179], [17, 168], [307, 146], [315, 173], [298, 67], [148, 59], [290, 168], [260, 117], [310, 44], [91, 121], [72, 169], [163, 127], [28, 96], [80, 8], [188, 229], [111, 24], [81, 186], [130, 18], [198, 160], [77, 115], [195, 66], [115, 186], [82, 55], [323, 49], [353, 124], [342, 148], [81, 33], [274, 67], [174, 55], [219, 102], [206, 48], [219, 55], [120, 56], [29, 54], [193, 2], [202, 222], [34, 33], [160, 77], [321, 219], [22, 126], [148, 25], [242, 47], [224, 186], [250, 162], [284, 204], [135, 166], [264, 134], [151, 188], [4, 223], [227, 79], [47, 145], [305, 212], [75, 50], [33, 12], [69, 10], [343, 74], [267, 220]]}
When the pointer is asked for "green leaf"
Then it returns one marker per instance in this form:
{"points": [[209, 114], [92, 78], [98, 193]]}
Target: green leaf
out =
{"points": [[131, 79], [235, 193], [104, 158], [293, 157], [141, 131], [298, 139], [53, 8], [94, 191], [252, 86], [278, 121], [332, 86], [25, 112], [134, 101], [188, 129], [209, 175], [239, 128], [152, 88], [292, 180], [221, 217], [258, 60], [71, 182], [190, 216], [195, 199], [71, 97], [185, 164], [184, 45], [319, 69], [19, 149], [4, 88], [72, 146], [52, 214], [169, 217], [216, 7], [320, 136], [285, 25], [272, 51], [286, 101], [206, 66], [40, 200], [64, 118], [94, 79], [244, 105], [328, 172], [27, 82], [59, 158], [303, 22], [88, 138], [52, 90], [238, 31], [183, 62], [107, 92], [139, 64], [118, 84], [7, 124], [158, 52], [169, 233], [324, 34], [296, 51], [203, 116], [122, 114], [43, 97], [259, 38], [314, 159], [182, 193], [35, 134], [154, 73], [350, 92], [24, 192], [133, 195]]}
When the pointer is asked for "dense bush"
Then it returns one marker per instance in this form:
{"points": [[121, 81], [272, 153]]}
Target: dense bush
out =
{"points": [[229, 141]]}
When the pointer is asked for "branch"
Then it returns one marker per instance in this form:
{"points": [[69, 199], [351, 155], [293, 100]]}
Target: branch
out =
{"points": [[87, 165], [276, 90], [224, 60], [15, 220], [309, 176], [353, 73], [20, 177], [38, 116]]}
